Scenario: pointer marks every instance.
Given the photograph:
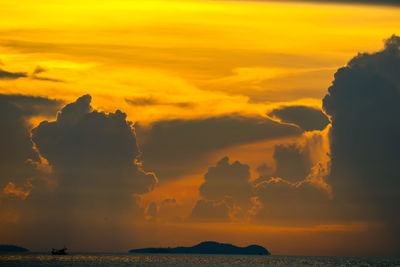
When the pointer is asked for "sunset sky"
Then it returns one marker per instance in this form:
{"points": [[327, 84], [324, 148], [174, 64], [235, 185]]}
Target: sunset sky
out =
{"points": [[129, 124]]}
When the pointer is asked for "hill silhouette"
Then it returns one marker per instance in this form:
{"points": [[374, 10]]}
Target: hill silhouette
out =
{"points": [[208, 247], [12, 249]]}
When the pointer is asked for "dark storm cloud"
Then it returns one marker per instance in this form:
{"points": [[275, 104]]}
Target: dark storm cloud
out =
{"points": [[18, 158], [211, 211], [363, 103], [101, 147], [293, 162], [94, 157], [6, 75], [16, 145], [152, 101], [33, 106], [307, 118], [187, 141]]}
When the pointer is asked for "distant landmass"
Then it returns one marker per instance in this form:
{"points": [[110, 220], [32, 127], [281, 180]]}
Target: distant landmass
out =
{"points": [[209, 247], [12, 249]]}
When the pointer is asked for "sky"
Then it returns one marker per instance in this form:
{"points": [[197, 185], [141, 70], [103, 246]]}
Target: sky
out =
{"points": [[129, 124]]}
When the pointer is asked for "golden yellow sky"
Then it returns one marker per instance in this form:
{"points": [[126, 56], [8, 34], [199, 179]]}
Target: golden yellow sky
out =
{"points": [[191, 59], [223, 56]]}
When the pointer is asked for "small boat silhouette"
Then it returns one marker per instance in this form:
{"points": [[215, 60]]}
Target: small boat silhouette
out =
{"points": [[62, 251]]}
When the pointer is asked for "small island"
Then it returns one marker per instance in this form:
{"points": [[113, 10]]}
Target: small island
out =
{"points": [[208, 247], [12, 249]]}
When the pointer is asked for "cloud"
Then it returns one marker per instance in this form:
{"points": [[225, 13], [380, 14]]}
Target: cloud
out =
{"points": [[39, 70], [307, 118], [286, 202], [6, 75], [210, 211], [305, 159], [11, 189], [363, 103], [94, 177], [226, 189], [293, 162], [152, 101], [264, 169], [20, 162], [187, 142], [33, 106], [47, 79], [17, 151], [293, 188], [151, 212], [295, 191], [95, 159], [170, 210], [227, 181]]}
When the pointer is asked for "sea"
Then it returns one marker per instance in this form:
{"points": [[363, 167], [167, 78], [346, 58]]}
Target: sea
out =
{"points": [[86, 259]]}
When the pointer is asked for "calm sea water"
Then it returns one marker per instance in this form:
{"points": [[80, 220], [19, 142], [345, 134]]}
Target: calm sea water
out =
{"points": [[36, 259]]}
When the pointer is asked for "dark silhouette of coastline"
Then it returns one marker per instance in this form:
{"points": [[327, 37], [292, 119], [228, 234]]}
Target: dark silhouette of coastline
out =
{"points": [[208, 247], [12, 249]]}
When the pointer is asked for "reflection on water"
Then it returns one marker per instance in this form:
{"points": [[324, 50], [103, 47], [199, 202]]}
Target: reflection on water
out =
{"points": [[186, 260]]}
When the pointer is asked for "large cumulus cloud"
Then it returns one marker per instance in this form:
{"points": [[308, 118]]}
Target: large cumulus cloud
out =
{"points": [[17, 152], [226, 190], [94, 158], [19, 161], [80, 173], [295, 191], [292, 189], [227, 180], [363, 103], [165, 143], [291, 194]]}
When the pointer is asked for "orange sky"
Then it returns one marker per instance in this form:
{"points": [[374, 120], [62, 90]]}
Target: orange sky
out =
{"points": [[225, 56]]}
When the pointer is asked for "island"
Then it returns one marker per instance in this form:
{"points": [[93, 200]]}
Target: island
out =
{"points": [[12, 249], [208, 247]]}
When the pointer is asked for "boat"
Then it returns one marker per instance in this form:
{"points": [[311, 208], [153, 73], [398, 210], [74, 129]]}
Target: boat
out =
{"points": [[62, 251]]}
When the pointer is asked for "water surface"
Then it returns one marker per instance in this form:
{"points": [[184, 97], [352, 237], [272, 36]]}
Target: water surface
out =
{"points": [[37, 259]]}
